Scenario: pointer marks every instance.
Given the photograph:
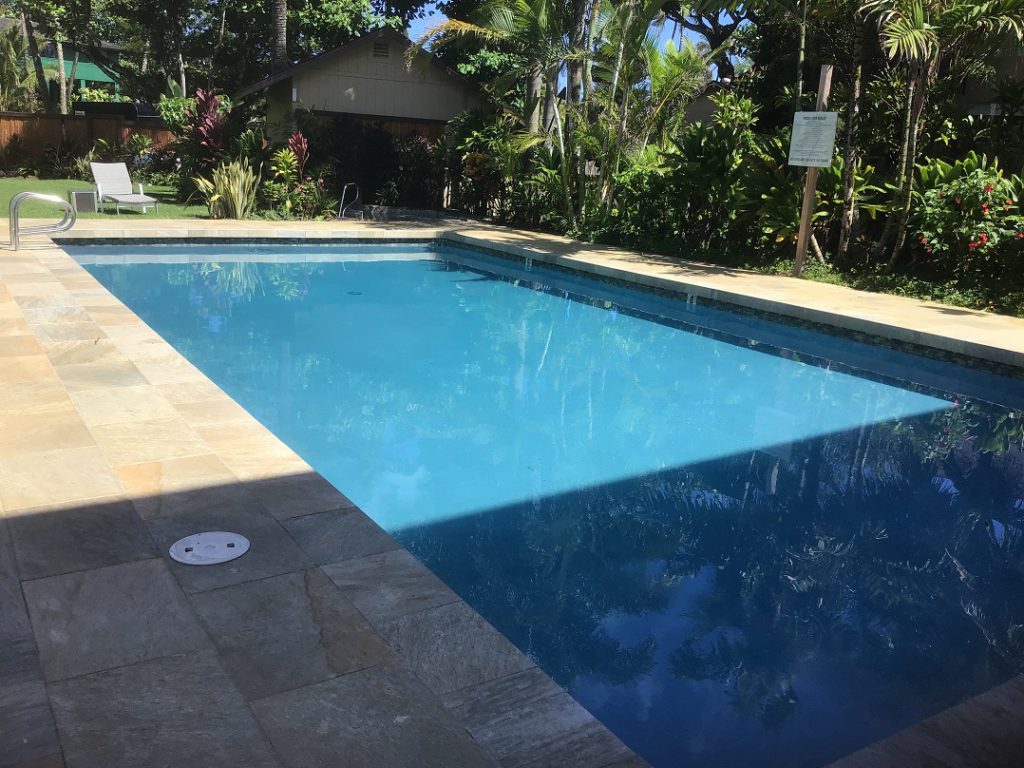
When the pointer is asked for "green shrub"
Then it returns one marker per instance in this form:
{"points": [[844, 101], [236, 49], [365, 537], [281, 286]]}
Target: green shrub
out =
{"points": [[231, 194]]}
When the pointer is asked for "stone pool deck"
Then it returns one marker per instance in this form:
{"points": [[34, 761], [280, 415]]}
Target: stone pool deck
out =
{"points": [[327, 643]]}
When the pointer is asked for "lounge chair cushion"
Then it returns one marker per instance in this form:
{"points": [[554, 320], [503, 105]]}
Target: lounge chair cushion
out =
{"points": [[132, 199]]}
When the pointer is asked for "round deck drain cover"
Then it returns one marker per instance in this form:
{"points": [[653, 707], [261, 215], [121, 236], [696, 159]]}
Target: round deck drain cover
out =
{"points": [[209, 548]]}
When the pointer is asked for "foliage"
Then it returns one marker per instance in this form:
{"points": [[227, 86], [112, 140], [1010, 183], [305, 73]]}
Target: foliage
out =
{"points": [[174, 111], [231, 192], [967, 217], [16, 94], [101, 95]]}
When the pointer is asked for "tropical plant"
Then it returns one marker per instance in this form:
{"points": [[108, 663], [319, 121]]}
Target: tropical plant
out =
{"points": [[16, 92], [231, 192]]}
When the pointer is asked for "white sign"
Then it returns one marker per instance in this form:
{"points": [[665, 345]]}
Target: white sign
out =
{"points": [[814, 139]]}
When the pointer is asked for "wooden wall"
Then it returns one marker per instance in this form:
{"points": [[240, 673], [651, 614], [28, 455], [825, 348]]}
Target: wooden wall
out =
{"points": [[37, 131]]}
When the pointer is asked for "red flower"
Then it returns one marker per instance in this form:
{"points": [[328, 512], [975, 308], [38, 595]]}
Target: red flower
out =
{"points": [[957, 201], [989, 187], [984, 237], [923, 239]]}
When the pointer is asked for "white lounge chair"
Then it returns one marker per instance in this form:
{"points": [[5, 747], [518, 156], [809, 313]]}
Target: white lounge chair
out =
{"points": [[114, 185]]}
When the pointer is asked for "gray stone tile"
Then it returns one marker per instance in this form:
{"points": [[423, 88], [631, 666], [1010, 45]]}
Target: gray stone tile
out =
{"points": [[374, 718], [288, 631], [78, 537], [177, 711], [109, 617], [389, 584], [55, 760], [451, 647], [301, 494], [328, 537], [272, 551], [18, 658], [526, 719], [27, 733]]}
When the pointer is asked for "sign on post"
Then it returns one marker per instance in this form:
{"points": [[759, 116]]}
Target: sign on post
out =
{"points": [[814, 139]]}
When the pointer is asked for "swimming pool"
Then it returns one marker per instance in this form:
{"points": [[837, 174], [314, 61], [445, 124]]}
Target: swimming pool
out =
{"points": [[735, 542]]}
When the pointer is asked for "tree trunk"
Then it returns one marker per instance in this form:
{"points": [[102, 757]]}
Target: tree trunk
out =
{"points": [[575, 64], [801, 55], [588, 74], [144, 66], [550, 98], [925, 80], [851, 152], [181, 74], [533, 86], [62, 80], [908, 105], [37, 64], [71, 76], [280, 35]]}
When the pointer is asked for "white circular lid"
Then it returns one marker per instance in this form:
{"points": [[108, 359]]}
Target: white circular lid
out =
{"points": [[209, 548]]}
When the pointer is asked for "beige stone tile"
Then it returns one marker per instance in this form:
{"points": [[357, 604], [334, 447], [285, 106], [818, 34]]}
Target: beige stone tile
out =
{"points": [[209, 412], [30, 368], [132, 442], [191, 392], [58, 314], [189, 473], [112, 405], [57, 298], [178, 371], [125, 334], [108, 373], [40, 479], [78, 352], [251, 452], [19, 346], [110, 315], [13, 326], [34, 397], [68, 331], [56, 428]]}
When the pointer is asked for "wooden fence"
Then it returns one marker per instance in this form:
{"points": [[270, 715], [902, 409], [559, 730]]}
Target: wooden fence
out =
{"points": [[36, 132]]}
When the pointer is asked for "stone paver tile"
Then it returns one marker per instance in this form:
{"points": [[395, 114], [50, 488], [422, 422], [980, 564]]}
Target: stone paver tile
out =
{"points": [[110, 617], [376, 717], [110, 373], [33, 397], [77, 536], [39, 479], [272, 550], [19, 346], [163, 488], [87, 331], [177, 712], [281, 633], [526, 719], [174, 371], [250, 450], [112, 405], [344, 534], [13, 325], [56, 314], [28, 369], [451, 647], [132, 442], [112, 315], [191, 392], [79, 352], [27, 733], [57, 428], [294, 494], [389, 585], [212, 412], [55, 298]]}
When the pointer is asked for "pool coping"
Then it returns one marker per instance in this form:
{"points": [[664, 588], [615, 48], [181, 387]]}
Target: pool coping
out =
{"points": [[112, 318]]}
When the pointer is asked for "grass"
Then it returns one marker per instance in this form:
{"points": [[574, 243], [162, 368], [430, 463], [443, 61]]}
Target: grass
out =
{"points": [[169, 208]]}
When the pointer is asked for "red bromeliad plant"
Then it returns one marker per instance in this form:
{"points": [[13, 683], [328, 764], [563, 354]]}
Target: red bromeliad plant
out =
{"points": [[207, 122], [297, 144]]}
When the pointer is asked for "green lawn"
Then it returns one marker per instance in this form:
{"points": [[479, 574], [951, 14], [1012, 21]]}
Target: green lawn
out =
{"points": [[169, 208]]}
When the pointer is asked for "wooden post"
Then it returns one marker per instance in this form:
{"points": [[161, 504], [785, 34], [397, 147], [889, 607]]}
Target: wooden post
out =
{"points": [[811, 179]]}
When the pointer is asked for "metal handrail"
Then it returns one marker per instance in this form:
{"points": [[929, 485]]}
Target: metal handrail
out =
{"points": [[14, 217], [342, 208]]}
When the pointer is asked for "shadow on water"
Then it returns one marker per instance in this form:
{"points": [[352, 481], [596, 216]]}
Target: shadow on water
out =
{"points": [[801, 601]]}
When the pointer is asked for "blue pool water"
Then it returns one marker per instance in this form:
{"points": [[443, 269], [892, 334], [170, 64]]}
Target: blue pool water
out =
{"points": [[736, 543]]}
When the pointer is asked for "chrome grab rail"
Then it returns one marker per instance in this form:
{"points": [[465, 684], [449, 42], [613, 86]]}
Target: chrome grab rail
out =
{"points": [[342, 208], [14, 217]]}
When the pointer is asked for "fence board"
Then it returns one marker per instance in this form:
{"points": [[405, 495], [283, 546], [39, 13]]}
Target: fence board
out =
{"points": [[38, 131]]}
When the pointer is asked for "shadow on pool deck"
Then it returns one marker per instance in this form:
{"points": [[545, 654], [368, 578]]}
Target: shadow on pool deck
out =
{"points": [[325, 639]]}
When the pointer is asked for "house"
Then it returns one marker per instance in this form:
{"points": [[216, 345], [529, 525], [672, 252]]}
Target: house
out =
{"points": [[369, 81]]}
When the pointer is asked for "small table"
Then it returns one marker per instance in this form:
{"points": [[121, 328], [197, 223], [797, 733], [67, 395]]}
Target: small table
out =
{"points": [[82, 200]]}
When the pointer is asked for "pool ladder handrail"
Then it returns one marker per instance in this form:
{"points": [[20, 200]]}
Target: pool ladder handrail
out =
{"points": [[14, 217], [342, 208]]}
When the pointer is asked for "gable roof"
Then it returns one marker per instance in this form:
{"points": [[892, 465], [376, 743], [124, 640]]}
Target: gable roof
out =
{"points": [[379, 33]]}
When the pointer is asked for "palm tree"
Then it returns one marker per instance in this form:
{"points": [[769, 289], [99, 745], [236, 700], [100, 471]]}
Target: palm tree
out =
{"points": [[280, 35], [921, 34]]}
